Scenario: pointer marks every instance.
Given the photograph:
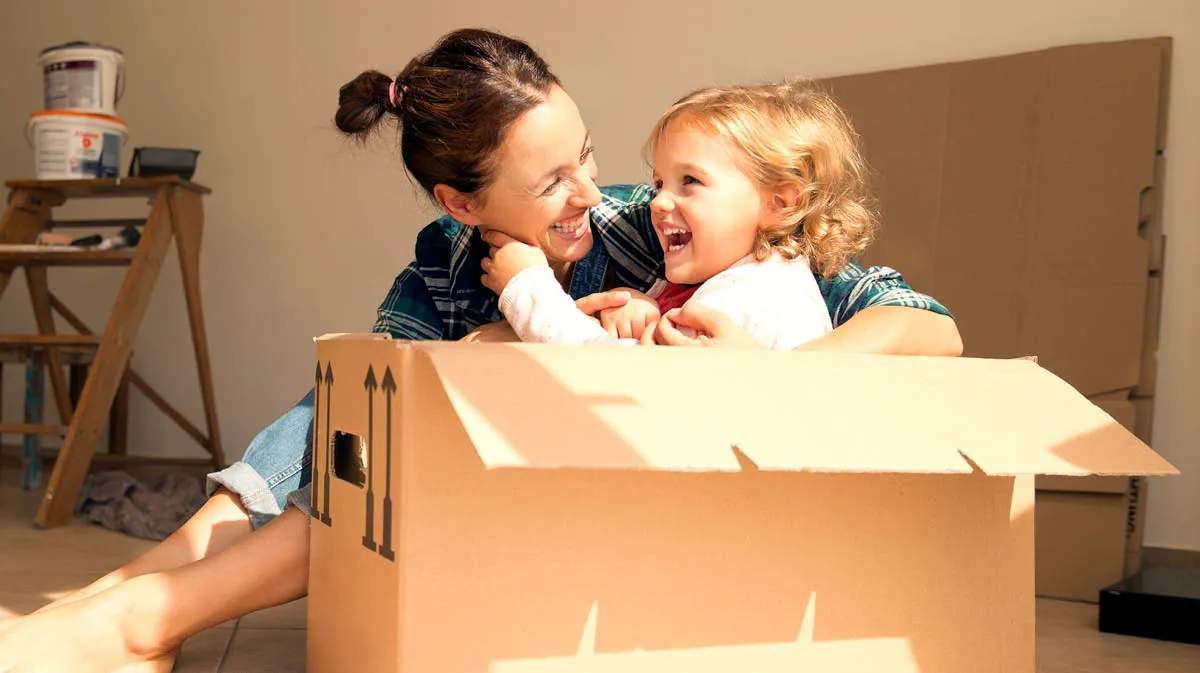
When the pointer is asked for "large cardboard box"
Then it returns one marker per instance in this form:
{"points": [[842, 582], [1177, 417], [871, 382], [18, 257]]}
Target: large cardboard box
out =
{"points": [[520, 508]]}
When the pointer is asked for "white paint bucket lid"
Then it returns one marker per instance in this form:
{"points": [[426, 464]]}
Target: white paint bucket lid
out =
{"points": [[79, 45]]}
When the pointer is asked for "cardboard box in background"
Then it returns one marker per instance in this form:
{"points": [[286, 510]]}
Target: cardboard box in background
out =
{"points": [[1089, 529], [1081, 545], [1025, 192], [533, 508], [1011, 189]]}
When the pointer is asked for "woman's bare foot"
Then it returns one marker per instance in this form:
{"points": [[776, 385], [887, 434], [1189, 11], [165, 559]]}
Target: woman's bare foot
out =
{"points": [[221, 522], [103, 633], [163, 665], [103, 584]]}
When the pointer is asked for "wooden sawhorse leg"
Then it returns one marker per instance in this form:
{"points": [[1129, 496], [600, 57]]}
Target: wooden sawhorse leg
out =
{"points": [[187, 212], [108, 367]]}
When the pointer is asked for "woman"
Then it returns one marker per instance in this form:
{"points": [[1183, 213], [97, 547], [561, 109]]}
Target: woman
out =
{"points": [[489, 133]]}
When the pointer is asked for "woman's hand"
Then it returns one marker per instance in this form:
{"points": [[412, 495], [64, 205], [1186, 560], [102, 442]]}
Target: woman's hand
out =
{"points": [[713, 329], [507, 258]]}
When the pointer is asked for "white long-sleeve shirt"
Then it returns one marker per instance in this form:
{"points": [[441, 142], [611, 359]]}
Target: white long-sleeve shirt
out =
{"points": [[776, 300]]}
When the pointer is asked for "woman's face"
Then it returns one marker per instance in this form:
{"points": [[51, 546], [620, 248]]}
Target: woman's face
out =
{"points": [[544, 182]]}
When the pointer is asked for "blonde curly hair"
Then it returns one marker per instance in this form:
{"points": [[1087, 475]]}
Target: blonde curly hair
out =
{"points": [[791, 134]]}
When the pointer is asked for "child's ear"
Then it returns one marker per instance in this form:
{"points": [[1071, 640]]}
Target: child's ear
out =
{"points": [[780, 199], [460, 206]]}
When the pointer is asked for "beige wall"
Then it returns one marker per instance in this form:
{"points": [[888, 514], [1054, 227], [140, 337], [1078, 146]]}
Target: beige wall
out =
{"points": [[305, 232]]}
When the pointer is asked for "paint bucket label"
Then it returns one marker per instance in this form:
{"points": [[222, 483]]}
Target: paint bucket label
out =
{"points": [[86, 154], [72, 84]]}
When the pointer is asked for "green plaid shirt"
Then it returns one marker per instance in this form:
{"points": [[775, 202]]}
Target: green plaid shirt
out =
{"points": [[439, 295]]}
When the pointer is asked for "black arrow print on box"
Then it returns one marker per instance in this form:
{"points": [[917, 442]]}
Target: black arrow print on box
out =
{"points": [[389, 389], [316, 455], [325, 518], [370, 384]]}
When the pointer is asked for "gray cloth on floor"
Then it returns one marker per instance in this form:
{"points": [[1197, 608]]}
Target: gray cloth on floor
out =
{"points": [[116, 500]]}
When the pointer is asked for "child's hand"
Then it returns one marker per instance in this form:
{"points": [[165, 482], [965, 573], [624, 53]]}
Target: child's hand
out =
{"points": [[507, 258], [632, 320]]}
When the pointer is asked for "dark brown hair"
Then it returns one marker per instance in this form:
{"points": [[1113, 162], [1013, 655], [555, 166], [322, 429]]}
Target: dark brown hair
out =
{"points": [[454, 105]]}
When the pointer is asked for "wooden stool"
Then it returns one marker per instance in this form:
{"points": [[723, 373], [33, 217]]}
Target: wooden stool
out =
{"points": [[176, 211]]}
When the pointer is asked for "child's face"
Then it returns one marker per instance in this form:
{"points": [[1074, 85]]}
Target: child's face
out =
{"points": [[707, 210]]}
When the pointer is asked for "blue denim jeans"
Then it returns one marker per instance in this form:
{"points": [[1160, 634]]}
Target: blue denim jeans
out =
{"points": [[277, 467]]}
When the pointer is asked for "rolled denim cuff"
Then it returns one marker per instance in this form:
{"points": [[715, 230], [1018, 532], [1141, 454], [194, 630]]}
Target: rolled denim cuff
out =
{"points": [[248, 485], [301, 499]]}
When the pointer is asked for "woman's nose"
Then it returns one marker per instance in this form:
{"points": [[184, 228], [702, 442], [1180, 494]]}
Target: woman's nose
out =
{"points": [[586, 194]]}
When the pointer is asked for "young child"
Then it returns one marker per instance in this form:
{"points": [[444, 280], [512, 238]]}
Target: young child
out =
{"points": [[759, 187]]}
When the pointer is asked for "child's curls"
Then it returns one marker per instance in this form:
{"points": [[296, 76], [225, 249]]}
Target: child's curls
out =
{"points": [[791, 134]]}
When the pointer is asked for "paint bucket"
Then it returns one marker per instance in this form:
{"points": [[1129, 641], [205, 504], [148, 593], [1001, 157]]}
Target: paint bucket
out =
{"points": [[83, 77], [76, 145]]}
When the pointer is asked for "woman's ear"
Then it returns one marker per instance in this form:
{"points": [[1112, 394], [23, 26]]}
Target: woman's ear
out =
{"points": [[460, 206]]}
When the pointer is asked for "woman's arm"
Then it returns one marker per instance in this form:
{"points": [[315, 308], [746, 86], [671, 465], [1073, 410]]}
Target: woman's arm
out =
{"points": [[872, 310], [893, 330]]}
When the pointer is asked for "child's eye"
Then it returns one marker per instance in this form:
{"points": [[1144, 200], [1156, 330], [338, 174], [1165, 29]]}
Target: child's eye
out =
{"points": [[553, 186], [587, 154], [657, 183], [689, 180]]}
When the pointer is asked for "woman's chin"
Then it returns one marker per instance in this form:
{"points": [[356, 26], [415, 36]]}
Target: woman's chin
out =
{"points": [[569, 250]]}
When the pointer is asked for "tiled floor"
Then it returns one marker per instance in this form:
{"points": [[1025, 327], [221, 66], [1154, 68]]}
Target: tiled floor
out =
{"points": [[38, 565]]}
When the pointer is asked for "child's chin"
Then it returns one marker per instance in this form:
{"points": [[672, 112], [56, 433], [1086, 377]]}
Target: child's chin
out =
{"points": [[679, 276]]}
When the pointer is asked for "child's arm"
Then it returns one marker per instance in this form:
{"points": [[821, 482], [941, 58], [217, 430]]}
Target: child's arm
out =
{"points": [[539, 311], [531, 299]]}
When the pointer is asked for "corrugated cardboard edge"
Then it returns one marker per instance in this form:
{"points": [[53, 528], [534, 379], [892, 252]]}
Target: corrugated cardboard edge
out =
{"points": [[358, 336], [1148, 371], [1136, 521], [1150, 225], [1167, 44]]}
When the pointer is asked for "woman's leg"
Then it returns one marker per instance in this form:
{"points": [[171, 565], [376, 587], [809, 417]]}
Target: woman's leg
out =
{"points": [[146, 618], [222, 521], [244, 496]]}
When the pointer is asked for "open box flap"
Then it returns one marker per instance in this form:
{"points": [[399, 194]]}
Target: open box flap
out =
{"points": [[545, 406]]}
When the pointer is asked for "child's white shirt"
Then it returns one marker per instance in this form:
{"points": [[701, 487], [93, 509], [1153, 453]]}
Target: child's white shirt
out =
{"points": [[776, 300]]}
